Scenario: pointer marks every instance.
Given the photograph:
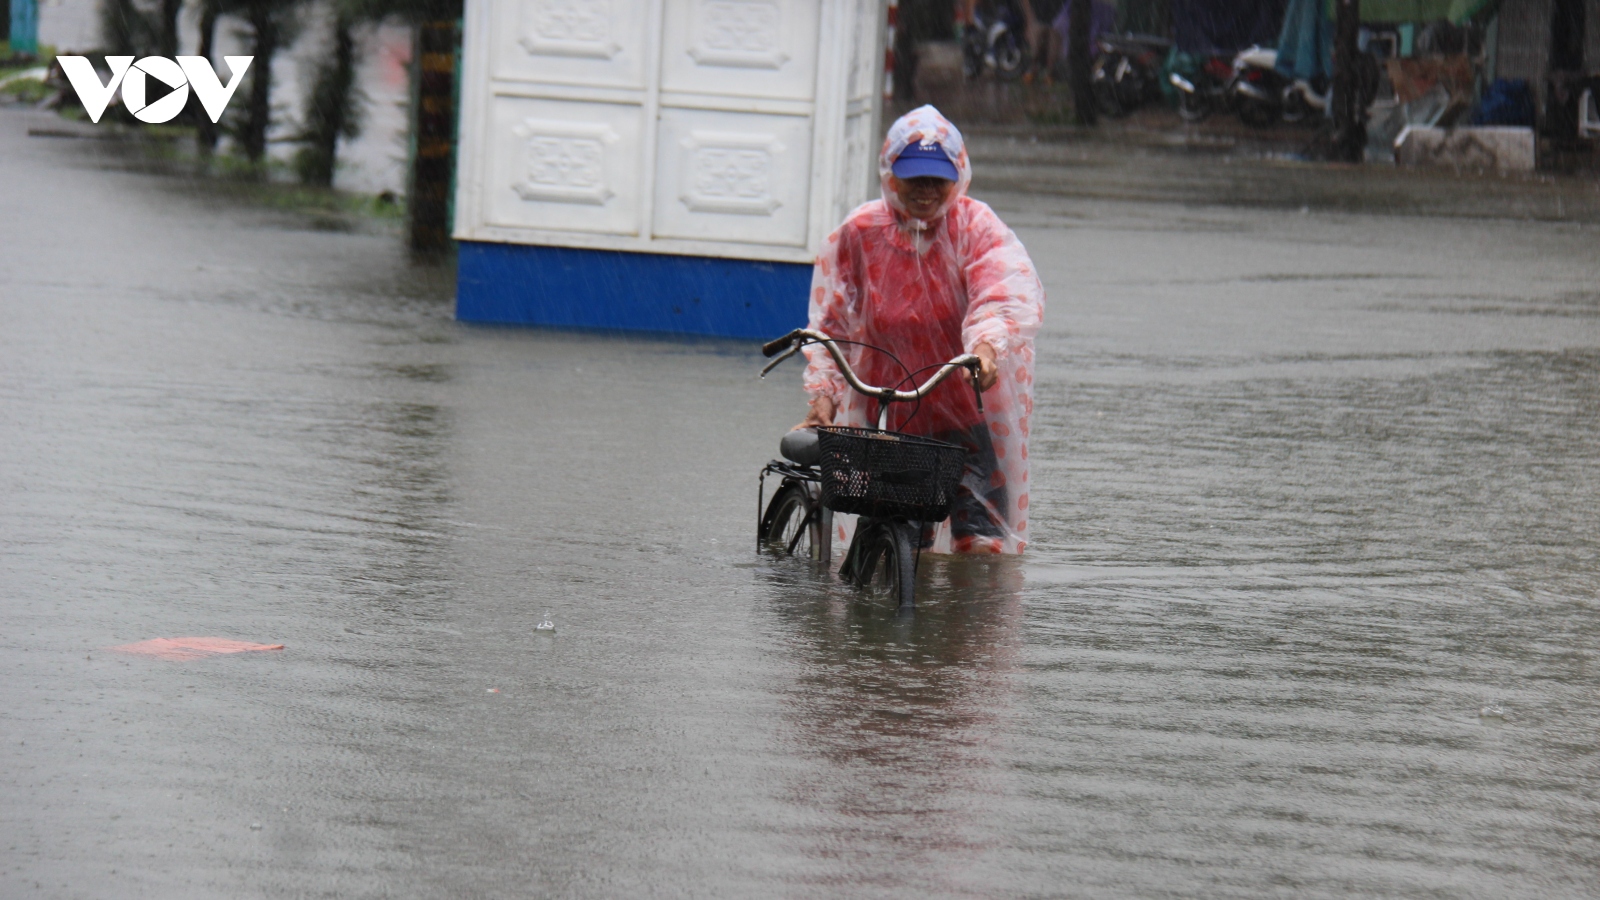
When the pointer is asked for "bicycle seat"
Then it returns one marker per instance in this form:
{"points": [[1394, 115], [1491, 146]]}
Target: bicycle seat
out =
{"points": [[801, 446]]}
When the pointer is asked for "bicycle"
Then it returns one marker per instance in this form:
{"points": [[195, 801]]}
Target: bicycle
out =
{"points": [[895, 482]]}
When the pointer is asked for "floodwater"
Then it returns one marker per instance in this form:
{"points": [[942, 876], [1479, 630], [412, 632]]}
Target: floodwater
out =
{"points": [[1310, 609]]}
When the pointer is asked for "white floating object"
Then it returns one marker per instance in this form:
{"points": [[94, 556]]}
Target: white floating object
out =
{"points": [[1492, 711], [1483, 148], [545, 625]]}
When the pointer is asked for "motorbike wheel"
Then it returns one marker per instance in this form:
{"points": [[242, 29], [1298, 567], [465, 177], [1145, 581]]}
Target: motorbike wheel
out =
{"points": [[1105, 99], [1150, 83], [1193, 107], [971, 57], [1257, 113], [1295, 107], [1010, 58], [1132, 89]]}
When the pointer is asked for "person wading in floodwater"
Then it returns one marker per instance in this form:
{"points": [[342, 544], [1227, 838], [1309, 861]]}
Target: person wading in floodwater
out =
{"points": [[928, 273]]}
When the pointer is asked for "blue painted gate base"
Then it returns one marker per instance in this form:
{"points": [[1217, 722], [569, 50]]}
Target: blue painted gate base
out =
{"points": [[564, 287]]}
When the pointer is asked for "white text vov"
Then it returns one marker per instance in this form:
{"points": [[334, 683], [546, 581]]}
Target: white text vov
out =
{"points": [[186, 72]]}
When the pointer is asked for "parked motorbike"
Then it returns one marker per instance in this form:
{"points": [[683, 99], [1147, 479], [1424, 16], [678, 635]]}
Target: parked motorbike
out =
{"points": [[1306, 99], [1126, 72], [1257, 89], [1264, 96], [997, 42], [1203, 90]]}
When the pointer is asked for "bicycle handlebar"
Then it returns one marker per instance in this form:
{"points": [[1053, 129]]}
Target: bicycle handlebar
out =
{"points": [[771, 348], [801, 336]]}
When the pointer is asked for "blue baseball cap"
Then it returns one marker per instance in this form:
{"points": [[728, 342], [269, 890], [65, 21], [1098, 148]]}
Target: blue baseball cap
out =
{"points": [[920, 160]]}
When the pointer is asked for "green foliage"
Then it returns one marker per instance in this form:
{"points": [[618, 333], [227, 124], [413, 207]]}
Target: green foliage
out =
{"points": [[274, 24], [26, 90], [47, 55]]}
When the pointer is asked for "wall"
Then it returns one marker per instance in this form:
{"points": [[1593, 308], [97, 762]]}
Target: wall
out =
{"points": [[1591, 46], [1523, 48]]}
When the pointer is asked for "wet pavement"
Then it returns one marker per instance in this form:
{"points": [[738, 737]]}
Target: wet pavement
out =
{"points": [[1310, 611], [1155, 158]]}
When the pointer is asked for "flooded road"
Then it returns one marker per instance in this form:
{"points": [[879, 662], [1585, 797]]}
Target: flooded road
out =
{"points": [[1311, 608]]}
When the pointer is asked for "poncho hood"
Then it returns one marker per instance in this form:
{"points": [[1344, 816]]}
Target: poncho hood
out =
{"points": [[923, 125]]}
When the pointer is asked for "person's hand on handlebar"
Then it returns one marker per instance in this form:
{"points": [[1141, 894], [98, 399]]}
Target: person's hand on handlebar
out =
{"points": [[821, 413], [988, 372]]}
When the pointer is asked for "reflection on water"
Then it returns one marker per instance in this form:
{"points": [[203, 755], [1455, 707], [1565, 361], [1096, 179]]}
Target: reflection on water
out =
{"points": [[900, 710]]}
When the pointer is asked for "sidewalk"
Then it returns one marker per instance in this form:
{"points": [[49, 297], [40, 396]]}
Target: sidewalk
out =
{"points": [[1153, 156]]}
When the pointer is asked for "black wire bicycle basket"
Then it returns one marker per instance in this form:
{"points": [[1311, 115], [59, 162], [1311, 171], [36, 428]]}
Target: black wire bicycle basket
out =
{"points": [[885, 474]]}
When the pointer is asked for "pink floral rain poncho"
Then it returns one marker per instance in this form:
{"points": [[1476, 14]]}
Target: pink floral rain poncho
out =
{"points": [[927, 291]]}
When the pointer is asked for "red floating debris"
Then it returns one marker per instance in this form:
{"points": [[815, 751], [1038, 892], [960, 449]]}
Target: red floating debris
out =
{"points": [[191, 647]]}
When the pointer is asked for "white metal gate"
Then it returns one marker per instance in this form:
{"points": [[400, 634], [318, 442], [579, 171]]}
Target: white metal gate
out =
{"points": [[741, 129]]}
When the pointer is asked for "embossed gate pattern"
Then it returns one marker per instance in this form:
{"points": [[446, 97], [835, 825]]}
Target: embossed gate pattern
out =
{"points": [[750, 25]]}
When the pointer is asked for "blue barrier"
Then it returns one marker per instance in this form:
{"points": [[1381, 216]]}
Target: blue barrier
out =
{"points": [[564, 287]]}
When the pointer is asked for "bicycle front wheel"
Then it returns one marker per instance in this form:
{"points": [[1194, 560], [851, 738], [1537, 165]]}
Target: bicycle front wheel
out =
{"points": [[883, 558], [792, 525]]}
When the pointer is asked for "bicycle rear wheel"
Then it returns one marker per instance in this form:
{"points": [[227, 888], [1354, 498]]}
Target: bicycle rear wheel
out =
{"points": [[792, 525]]}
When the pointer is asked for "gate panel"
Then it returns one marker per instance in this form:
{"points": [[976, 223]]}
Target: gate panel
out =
{"points": [[748, 48], [566, 166], [594, 42], [726, 176]]}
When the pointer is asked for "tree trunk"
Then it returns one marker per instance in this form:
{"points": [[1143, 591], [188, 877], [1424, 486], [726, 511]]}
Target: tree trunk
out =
{"points": [[167, 40], [117, 27], [344, 69], [1349, 112], [331, 112], [905, 59], [434, 161], [1079, 61], [260, 108], [205, 134]]}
